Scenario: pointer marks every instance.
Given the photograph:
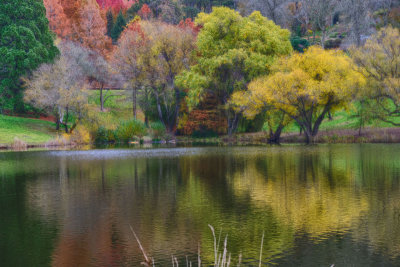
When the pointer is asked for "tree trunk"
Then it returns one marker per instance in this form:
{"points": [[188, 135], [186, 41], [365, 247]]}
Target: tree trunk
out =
{"points": [[275, 137], [73, 127], [101, 98], [57, 122], [160, 116], [323, 37], [134, 101], [308, 135], [146, 120], [232, 124], [66, 120]]}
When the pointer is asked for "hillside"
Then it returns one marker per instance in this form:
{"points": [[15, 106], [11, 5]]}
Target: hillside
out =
{"points": [[31, 131]]}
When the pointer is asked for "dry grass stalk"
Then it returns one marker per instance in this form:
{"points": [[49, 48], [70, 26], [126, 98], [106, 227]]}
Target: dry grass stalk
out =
{"points": [[261, 249], [147, 262], [18, 144], [222, 259]]}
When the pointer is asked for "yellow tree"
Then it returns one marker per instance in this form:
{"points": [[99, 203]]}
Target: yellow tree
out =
{"points": [[379, 60], [305, 87]]}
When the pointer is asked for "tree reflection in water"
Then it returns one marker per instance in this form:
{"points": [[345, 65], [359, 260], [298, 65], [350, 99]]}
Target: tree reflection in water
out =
{"points": [[318, 205]]}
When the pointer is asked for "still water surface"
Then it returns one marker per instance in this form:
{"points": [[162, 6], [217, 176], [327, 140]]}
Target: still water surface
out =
{"points": [[318, 205]]}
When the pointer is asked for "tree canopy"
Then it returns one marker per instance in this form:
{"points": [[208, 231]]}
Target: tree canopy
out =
{"points": [[150, 55], [232, 50], [379, 60], [59, 87], [305, 87], [25, 43]]}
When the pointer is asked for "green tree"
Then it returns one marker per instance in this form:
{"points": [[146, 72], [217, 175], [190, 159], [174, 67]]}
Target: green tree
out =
{"points": [[110, 22], [25, 43], [118, 28], [233, 50]]}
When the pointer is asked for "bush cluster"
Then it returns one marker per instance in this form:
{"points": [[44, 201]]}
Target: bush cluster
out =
{"points": [[129, 130]]}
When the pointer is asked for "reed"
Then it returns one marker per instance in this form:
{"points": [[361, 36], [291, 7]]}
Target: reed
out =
{"points": [[222, 258], [19, 145]]}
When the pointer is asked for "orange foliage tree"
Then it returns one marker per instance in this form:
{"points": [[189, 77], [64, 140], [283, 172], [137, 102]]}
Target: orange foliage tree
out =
{"points": [[86, 24], [58, 21], [93, 29]]}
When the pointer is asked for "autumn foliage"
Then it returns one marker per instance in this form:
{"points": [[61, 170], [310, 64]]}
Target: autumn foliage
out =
{"points": [[145, 12], [115, 5], [59, 23], [79, 21], [205, 118], [189, 24]]}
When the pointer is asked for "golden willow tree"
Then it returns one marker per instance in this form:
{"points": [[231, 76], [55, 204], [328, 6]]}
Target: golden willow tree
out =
{"points": [[379, 60], [303, 87], [232, 50]]}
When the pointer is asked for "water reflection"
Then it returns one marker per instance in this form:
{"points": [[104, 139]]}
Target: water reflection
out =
{"points": [[318, 205]]}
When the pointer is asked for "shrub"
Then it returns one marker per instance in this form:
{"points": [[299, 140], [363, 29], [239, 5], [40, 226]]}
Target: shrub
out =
{"points": [[101, 135], [157, 130], [127, 130], [299, 44], [111, 136], [333, 43], [104, 135], [80, 135]]}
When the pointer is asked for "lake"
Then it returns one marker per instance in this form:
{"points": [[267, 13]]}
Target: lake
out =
{"points": [[316, 205]]}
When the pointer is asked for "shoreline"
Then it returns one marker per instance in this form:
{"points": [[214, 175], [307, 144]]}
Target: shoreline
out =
{"points": [[344, 136]]}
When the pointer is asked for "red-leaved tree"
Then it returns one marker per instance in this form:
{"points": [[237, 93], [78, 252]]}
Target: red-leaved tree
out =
{"points": [[58, 21], [189, 24], [145, 12], [115, 5]]}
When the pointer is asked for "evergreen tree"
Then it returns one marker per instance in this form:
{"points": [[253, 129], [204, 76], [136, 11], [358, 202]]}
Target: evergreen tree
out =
{"points": [[119, 26], [25, 43], [110, 22]]}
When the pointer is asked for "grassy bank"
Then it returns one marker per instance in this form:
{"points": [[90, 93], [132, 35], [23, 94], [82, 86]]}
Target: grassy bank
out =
{"points": [[31, 131], [341, 128]]}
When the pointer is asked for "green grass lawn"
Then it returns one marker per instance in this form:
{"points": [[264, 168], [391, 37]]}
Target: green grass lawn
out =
{"points": [[342, 119], [31, 131], [118, 107]]}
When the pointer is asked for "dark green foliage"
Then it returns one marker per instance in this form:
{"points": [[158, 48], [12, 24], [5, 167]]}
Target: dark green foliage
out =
{"points": [[253, 125], [190, 12], [157, 130], [110, 22], [118, 28], [333, 43], [128, 130], [204, 133], [299, 44], [25, 43], [101, 135], [134, 9], [104, 135]]}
